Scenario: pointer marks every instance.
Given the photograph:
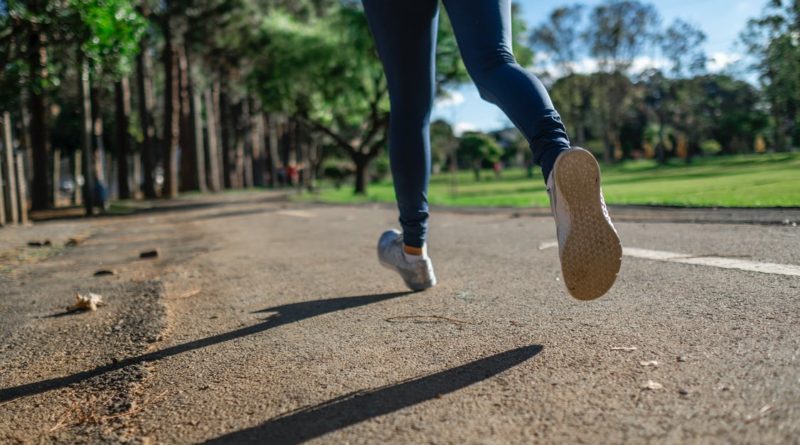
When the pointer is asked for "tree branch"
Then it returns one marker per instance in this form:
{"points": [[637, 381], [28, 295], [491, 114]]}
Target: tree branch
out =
{"points": [[338, 139]]}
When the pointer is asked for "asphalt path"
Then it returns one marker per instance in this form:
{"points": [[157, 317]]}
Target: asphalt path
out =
{"points": [[262, 321]]}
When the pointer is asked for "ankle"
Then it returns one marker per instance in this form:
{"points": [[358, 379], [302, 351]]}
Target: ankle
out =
{"points": [[411, 250], [413, 254]]}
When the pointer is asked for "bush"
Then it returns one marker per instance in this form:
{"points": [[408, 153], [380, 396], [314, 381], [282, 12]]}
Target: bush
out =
{"points": [[710, 147]]}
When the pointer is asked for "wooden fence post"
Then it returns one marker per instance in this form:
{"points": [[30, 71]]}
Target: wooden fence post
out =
{"points": [[22, 190], [2, 199], [8, 171]]}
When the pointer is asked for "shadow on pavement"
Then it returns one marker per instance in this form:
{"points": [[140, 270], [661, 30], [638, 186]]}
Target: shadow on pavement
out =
{"points": [[285, 314], [312, 422]]}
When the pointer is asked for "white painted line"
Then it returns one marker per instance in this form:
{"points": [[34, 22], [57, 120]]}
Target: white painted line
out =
{"points": [[296, 213], [712, 261], [548, 245]]}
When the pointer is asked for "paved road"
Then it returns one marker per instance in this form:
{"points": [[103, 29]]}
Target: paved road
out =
{"points": [[268, 322]]}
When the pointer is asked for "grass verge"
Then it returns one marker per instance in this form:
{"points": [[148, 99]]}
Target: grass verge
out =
{"points": [[768, 180]]}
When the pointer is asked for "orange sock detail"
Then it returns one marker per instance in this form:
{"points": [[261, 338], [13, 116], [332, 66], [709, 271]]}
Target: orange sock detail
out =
{"points": [[412, 250]]}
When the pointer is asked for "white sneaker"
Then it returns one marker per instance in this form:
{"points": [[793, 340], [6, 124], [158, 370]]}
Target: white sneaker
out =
{"points": [[588, 244], [418, 274]]}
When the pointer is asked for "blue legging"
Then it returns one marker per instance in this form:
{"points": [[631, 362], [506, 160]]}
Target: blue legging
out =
{"points": [[405, 35]]}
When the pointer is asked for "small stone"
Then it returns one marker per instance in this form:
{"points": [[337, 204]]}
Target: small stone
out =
{"points": [[42, 243], [683, 392], [154, 338], [104, 273], [651, 385], [682, 358], [149, 254]]}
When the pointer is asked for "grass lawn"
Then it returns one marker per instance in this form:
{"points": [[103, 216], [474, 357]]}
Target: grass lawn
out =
{"points": [[768, 180]]}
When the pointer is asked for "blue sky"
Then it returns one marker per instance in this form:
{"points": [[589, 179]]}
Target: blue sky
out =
{"points": [[721, 20]]}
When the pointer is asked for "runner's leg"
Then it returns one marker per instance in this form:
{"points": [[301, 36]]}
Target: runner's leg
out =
{"points": [[405, 34]]}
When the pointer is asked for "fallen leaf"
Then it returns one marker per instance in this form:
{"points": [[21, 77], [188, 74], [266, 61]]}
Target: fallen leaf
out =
{"points": [[651, 385], [624, 348], [653, 363], [89, 301], [72, 242]]}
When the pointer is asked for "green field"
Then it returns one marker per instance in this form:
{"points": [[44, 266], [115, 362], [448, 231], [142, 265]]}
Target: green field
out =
{"points": [[768, 180]]}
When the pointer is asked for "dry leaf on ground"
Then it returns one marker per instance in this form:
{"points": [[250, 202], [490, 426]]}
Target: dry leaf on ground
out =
{"points": [[652, 385], [89, 301]]}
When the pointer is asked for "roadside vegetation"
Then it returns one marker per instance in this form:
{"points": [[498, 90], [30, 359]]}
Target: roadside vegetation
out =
{"points": [[143, 99], [771, 180]]}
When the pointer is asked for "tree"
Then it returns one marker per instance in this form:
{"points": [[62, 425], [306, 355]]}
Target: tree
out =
{"points": [[107, 34], [443, 143], [477, 148], [774, 42], [621, 29], [559, 38], [682, 45]]}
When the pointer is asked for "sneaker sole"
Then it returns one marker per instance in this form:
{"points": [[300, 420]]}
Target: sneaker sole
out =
{"points": [[592, 253], [413, 287]]}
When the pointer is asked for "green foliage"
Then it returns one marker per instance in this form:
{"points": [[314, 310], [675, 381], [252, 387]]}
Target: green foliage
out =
{"points": [[443, 142], [477, 148], [774, 39], [721, 181], [325, 69], [112, 30], [682, 44]]}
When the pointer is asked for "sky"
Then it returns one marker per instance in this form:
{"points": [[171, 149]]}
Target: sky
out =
{"points": [[721, 20]]}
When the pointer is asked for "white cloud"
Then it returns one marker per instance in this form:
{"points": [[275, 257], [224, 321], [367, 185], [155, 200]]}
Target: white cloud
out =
{"points": [[721, 60], [462, 127], [588, 65], [453, 98]]}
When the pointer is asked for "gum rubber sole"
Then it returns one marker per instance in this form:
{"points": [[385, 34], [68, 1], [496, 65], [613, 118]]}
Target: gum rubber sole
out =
{"points": [[592, 253]]}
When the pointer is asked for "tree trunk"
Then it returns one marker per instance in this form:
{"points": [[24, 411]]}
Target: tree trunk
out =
{"points": [[146, 100], [37, 59], [362, 163], [56, 174], [77, 171], [273, 149], [9, 201], [213, 145], [24, 136], [257, 144], [189, 179], [314, 161], [98, 138], [171, 114], [228, 152], [84, 88], [199, 145], [246, 145], [136, 174], [122, 95], [22, 190]]}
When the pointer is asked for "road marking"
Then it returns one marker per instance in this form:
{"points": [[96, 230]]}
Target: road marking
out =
{"points": [[548, 245], [296, 213], [700, 260]]}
